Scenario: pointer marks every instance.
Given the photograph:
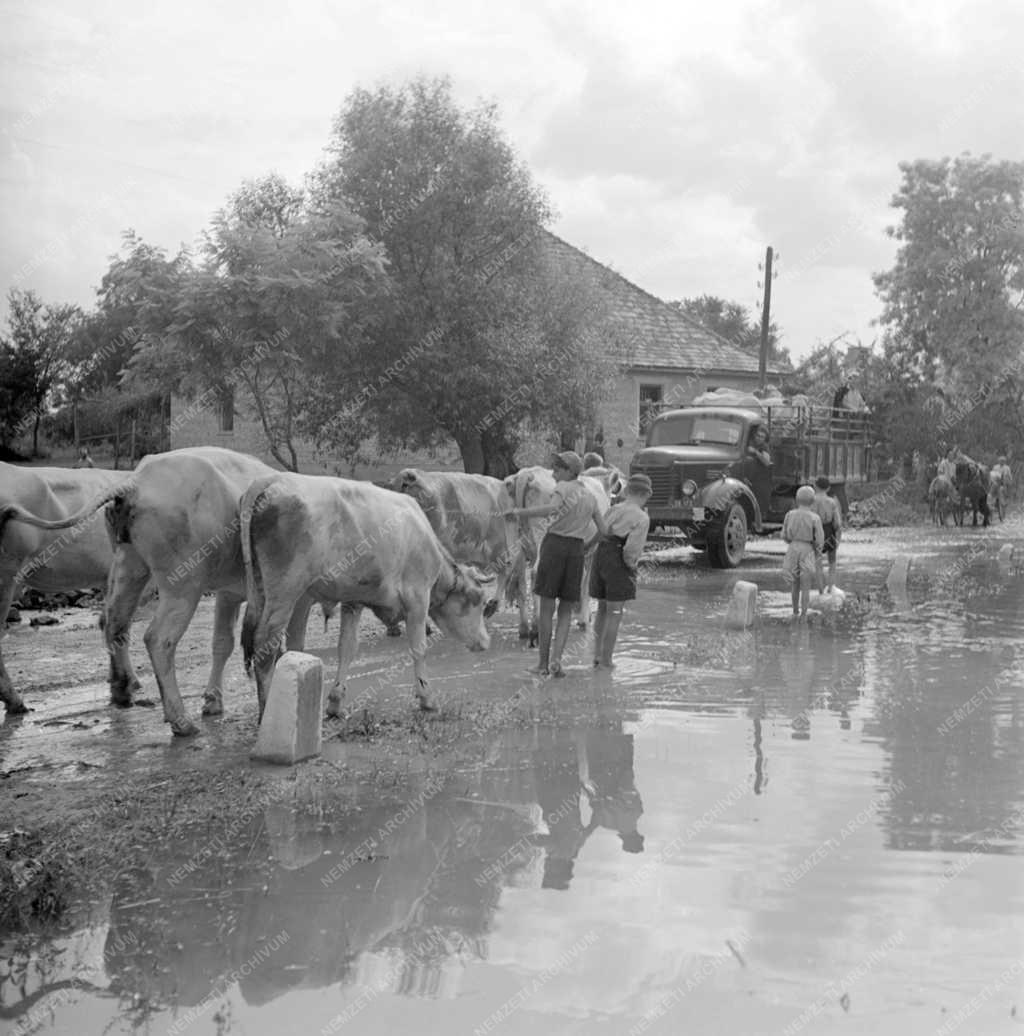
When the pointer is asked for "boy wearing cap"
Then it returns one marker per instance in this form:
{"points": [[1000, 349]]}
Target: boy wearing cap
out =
{"points": [[802, 530], [560, 567], [831, 514], [613, 575]]}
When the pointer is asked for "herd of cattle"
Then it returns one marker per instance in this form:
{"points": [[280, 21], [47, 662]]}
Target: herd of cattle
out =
{"points": [[203, 520]]}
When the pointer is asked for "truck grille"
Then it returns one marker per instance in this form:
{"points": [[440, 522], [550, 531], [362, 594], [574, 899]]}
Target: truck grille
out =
{"points": [[663, 480]]}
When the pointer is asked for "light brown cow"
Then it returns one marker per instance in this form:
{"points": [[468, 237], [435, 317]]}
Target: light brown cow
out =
{"points": [[176, 520], [78, 558], [534, 487], [467, 514], [316, 539]]}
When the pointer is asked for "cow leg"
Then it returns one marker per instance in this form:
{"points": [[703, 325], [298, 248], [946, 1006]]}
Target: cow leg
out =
{"points": [[125, 583], [173, 614], [416, 629], [270, 634], [347, 638], [225, 615], [8, 695], [295, 635]]}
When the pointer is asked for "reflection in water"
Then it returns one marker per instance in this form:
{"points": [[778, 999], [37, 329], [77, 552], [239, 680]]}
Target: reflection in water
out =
{"points": [[843, 789]]}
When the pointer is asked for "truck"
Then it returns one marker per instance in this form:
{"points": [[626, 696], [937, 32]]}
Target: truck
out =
{"points": [[709, 484]]}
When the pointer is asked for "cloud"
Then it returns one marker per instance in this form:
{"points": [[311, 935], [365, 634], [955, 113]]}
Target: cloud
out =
{"points": [[675, 146]]}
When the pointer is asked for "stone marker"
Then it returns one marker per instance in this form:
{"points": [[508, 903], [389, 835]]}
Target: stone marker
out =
{"points": [[742, 611], [1006, 559], [896, 583], [291, 726]]}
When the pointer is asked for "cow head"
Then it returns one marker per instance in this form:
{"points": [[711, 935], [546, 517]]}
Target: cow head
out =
{"points": [[458, 602]]}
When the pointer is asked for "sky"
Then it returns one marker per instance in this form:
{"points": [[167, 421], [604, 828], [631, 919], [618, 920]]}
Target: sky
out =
{"points": [[675, 140]]}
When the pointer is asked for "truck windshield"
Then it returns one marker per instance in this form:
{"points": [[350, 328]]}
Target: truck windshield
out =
{"points": [[692, 429]]}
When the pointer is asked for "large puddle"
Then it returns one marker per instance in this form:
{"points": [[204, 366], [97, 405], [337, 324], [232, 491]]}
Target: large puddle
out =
{"points": [[799, 830]]}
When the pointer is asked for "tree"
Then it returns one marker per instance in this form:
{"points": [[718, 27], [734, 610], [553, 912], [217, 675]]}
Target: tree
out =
{"points": [[734, 323], [953, 299], [456, 352], [276, 302], [36, 354]]}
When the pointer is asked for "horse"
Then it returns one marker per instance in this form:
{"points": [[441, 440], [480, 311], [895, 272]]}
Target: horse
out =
{"points": [[972, 485], [942, 499]]}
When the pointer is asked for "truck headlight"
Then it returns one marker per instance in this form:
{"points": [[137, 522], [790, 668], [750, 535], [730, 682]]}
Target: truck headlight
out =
{"points": [[689, 487]]}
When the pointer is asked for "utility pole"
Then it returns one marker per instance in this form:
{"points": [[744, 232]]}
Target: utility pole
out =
{"points": [[762, 368]]}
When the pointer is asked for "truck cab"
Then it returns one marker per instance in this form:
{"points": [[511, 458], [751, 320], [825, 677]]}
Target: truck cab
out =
{"points": [[709, 483]]}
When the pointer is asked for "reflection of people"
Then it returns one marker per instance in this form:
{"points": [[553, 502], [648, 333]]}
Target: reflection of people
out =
{"points": [[557, 778], [802, 530], [828, 510], [560, 567], [758, 447], [614, 571], [614, 801], [84, 460]]}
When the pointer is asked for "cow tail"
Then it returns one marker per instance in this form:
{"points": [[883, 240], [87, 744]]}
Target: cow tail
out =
{"points": [[14, 513], [253, 583]]}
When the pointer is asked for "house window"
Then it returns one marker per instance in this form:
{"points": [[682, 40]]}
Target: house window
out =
{"points": [[227, 409], [650, 405]]}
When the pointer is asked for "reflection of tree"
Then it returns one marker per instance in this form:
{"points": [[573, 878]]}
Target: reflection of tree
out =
{"points": [[950, 791], [338, 888]]}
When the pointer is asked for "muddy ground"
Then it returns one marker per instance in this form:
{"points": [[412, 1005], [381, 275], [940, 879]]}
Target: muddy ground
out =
{"points": [[733, 831]]}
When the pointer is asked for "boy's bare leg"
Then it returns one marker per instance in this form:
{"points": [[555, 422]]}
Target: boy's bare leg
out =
{"points": [[602, 611], [544, 625], [805, 596], [561, 635], [611, 632], [796, 594], [831, 576]]}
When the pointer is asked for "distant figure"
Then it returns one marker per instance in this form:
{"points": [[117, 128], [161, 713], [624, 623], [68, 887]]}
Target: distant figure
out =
{"points": [[802, 530], [947, 465], [84, 460]]}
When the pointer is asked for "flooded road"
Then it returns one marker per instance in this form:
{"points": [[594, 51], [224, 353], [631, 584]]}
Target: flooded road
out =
{"points": [[814, 828]]}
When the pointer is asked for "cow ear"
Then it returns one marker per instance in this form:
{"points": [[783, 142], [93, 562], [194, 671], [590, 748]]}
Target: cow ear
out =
{"points": [[406, 478]]}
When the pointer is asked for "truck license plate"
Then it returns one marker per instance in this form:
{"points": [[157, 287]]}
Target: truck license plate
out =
{"points": [[698, 514]]}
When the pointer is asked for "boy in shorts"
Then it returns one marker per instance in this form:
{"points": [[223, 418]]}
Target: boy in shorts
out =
{"points": [[802, 530], [613, 575], [831, 514], [560, 567]]}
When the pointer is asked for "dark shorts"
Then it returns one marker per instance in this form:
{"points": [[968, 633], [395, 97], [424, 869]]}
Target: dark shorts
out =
{"points": [[560, 568], [829, 550], [610, 580]]}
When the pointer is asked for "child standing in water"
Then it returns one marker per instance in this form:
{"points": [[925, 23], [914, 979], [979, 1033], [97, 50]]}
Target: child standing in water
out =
{"points": [[831, 514], [613, 576], [802, 530]]}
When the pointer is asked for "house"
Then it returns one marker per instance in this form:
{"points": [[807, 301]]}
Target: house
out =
{"points": [[668, 358], [662, 357]]}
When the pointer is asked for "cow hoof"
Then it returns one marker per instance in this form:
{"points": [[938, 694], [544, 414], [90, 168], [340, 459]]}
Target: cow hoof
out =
{"points": [[524, 633], [580, 624], [533, 641], [425, 704], [17, 708], [334, 708], [183, 728], [212, 707]]}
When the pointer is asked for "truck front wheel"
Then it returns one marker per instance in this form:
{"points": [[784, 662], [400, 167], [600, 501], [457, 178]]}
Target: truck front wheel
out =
{"points": [[727, 537]]}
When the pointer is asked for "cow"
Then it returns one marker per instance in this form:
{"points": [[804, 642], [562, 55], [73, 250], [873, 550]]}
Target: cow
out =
{"points": [[175, 520], [972, 486], [466, 513], [942, 499], [318, 539], [76, 559], [533, 487]]}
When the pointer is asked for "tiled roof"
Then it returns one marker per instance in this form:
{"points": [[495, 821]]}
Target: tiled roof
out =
{"points": [[658, 335]]}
